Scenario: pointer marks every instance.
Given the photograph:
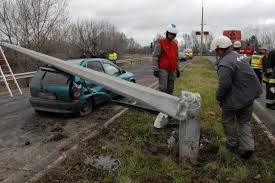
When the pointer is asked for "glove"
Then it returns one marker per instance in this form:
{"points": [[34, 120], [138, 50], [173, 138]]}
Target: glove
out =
{"points": [[156, 74], [178, 73]]}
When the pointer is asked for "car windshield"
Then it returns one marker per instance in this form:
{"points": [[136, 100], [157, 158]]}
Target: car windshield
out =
{"points": [[111, 70]]}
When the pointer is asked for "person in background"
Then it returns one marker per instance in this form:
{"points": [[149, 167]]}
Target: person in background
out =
{"points": [[238, 87], [112, 56], [257, 64], [83, 55], [165, 60], [237, 46], [269, 79]]}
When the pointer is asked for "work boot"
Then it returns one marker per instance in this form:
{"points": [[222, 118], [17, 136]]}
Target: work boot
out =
{"points": [[267, 105], [233, 149], [272, 107], [246, 154]]}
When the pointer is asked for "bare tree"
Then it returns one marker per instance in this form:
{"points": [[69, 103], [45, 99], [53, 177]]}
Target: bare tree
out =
{"points": [[265, 36], [97, 38], [7, 23], [32, 24], [195, 42]]}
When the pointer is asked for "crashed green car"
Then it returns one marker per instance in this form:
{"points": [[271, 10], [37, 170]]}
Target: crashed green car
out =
{"points": [[53, 90]]}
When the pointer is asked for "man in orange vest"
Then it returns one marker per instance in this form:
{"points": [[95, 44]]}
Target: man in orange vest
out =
{"points": [[165, 60]]}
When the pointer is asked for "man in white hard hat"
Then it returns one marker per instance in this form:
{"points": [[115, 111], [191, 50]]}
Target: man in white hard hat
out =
{"points": [[165, 60], [237, 89], [237, 46]]}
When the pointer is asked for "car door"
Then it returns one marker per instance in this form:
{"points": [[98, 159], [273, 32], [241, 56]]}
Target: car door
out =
{"points": [[112, 70], [101, 93]]}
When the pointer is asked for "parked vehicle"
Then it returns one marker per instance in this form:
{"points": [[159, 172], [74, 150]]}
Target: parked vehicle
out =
{"points": [[236, 35], [182, 56], [188, 54], [53, 90]]}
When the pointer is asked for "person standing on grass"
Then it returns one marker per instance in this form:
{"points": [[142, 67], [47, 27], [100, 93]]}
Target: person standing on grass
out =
{"points": [[238, 87], [165, 60]]}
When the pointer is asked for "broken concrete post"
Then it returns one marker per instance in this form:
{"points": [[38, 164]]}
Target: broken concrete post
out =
{"points": [[160, 101], [189, 128]]}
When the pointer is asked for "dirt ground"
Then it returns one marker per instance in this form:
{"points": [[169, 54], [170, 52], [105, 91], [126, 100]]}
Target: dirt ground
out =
{"points": [[77, 168]]}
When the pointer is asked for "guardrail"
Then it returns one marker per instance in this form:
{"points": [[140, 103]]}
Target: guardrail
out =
{"points": [[19, 75], [26, 75]]}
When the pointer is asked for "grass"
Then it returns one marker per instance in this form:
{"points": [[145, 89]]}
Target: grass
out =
{"points": [[145, 156]]}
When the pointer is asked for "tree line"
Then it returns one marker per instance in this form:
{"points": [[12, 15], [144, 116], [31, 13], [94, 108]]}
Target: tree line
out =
{"points": [[45, 26]]}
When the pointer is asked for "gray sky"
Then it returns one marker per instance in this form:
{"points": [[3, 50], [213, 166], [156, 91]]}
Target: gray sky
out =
{"points": [[143, 19]]}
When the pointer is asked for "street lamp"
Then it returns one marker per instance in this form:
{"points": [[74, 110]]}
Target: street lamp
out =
{"points": [[201, 27]]}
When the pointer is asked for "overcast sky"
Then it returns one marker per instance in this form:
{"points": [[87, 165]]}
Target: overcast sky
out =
{"points": [[143, 19]]}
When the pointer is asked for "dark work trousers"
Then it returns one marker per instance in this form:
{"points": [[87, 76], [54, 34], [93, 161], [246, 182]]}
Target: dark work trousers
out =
{"points": [[166, 81], [270, 97], [259, 73], [237, 127]]}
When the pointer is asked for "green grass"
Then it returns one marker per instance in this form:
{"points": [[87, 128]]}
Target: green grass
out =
{"points": [[145, 156]]}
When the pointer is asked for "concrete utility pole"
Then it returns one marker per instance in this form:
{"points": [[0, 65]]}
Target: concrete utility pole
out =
{"points": [[202, 27], [185, 108]]}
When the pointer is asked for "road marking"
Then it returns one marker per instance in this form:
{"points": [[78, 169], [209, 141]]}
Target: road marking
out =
{"points": [[264, 128]]}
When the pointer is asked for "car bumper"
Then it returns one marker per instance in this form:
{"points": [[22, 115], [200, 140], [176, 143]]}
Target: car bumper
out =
{"points": [[55, 105]]}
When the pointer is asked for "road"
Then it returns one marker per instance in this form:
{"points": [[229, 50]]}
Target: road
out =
{"points": [[267, 116], [29, 142]]}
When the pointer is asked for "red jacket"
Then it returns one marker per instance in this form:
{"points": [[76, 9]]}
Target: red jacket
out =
{"points": [[168, 57]]}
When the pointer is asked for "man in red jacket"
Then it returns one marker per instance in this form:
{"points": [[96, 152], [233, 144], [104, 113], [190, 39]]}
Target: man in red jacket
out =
{"points": [[165, 60]]}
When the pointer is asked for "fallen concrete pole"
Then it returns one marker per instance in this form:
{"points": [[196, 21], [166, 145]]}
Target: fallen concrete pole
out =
{"points": [[168, 104], [186, 108]]}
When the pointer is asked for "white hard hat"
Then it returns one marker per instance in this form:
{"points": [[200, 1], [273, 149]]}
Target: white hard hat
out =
{"points": [[172, 28], [237, 44], [263, 48], [220, 42]]}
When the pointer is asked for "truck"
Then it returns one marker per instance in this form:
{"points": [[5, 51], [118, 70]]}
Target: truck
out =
{"points": [[236, 35]]}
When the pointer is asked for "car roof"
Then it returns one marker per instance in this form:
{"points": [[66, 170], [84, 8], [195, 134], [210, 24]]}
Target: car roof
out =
{"points": [[81, 60]]}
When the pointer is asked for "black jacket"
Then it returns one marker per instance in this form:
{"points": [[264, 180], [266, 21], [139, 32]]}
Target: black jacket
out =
{"points": [[238, 84]]}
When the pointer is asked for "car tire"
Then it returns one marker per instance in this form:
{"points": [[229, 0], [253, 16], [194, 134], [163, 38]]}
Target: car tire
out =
{"points": [[86, 107]]}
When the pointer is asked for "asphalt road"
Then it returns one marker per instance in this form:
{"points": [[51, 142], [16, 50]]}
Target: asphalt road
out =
{"points": [[267, 116], [29, 142]]}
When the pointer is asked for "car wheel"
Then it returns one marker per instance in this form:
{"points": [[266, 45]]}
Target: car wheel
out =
{"points": [[86, 107]]}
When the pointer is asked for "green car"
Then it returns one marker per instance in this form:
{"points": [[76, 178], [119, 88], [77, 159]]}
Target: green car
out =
{"points": [[53, 90]]}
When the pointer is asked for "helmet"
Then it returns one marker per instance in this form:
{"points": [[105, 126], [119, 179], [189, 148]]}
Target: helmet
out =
{"points": [[220, 42], [237, 44], [172, 28]]}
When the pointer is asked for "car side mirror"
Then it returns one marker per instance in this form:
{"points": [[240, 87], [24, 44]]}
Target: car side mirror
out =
{"points": [[122, 71]]}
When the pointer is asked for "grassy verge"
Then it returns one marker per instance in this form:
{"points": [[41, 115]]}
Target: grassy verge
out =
{"points": [[145, 156]]}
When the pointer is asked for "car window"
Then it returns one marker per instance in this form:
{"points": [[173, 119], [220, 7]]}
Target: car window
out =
{"points": [[95, 65], [56, 79], [111, 70], [36, 79]]}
